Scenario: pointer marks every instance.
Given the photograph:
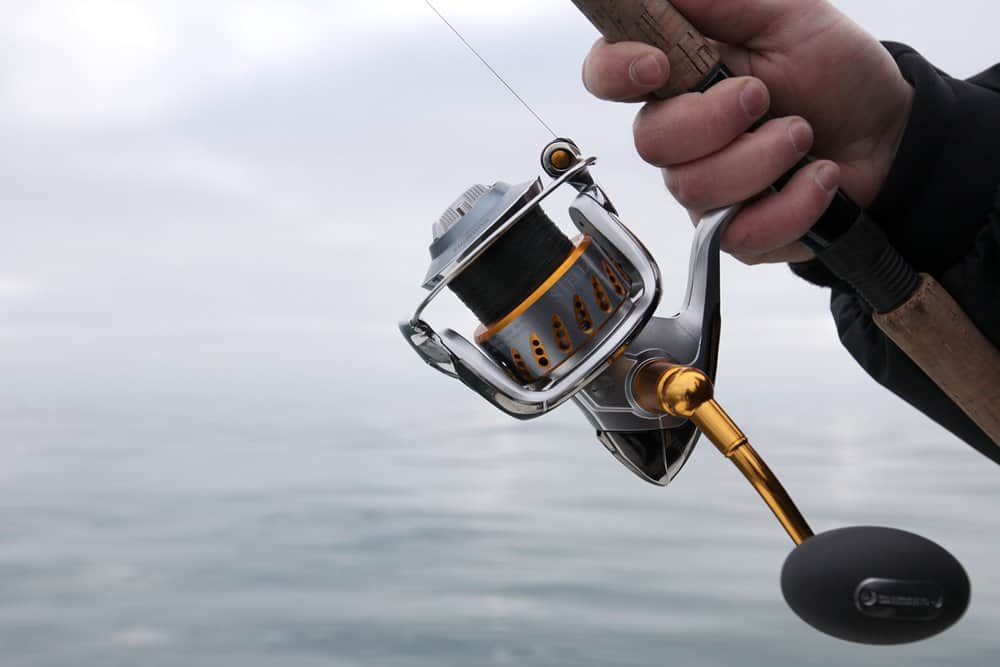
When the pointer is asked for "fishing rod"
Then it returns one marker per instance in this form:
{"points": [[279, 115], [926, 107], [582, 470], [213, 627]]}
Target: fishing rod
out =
{"points": [[573, 320]]}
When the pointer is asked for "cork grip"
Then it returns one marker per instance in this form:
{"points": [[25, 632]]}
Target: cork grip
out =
{"points": [[656, 22], [936, 334]]}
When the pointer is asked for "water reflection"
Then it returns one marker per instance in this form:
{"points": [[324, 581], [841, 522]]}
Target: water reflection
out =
{"points": [[284, 520]]}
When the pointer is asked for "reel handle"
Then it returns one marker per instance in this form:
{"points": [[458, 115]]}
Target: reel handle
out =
{"points": [[686, 392], [693, 60], [863, 584]]}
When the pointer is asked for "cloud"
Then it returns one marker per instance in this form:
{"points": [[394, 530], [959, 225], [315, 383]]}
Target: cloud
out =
{"points": [[14, 289], [183, 165], [103, 61]]}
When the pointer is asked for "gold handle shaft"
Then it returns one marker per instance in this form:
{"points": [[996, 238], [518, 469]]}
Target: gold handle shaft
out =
{"points": [[660, 386]]}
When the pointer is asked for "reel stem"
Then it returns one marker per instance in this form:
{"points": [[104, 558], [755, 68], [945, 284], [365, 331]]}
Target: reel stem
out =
{"points": [[682, 391]]}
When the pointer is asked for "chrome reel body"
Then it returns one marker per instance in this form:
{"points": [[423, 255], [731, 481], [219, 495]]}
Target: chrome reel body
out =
{"points": [[598, 377]]}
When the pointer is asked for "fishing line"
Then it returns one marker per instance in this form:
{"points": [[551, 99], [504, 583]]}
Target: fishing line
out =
{"points": [[490, 68]]}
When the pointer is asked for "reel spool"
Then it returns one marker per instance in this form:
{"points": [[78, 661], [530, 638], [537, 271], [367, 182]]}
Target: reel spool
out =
{"points": [[541, 298], [564, 319]]}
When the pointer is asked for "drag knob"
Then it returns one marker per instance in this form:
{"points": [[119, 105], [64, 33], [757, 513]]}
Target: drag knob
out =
{"points": [[875, 585], [509, 269], [458, 209]]}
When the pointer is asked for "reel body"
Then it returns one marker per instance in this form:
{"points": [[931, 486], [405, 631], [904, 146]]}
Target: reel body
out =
{"points": [[580, 330]]}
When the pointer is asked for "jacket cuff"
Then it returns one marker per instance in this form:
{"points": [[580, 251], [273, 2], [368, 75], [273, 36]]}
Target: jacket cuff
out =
{"points": [[940, 190], [940, 186], [815, 272]]}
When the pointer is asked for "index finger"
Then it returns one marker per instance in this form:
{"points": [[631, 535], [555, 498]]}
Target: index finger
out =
{"points": [[624, 71]]}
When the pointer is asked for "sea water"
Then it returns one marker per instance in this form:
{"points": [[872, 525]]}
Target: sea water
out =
{"points": [[282, 498]]}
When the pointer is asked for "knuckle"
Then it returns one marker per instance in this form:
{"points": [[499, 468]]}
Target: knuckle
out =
{"points": [[586, 79], [689, 186], [749, 245], [649, 142], [799, 136], [598, 77], [593, 80], [649, 148], [723, 123], [652, 133]]}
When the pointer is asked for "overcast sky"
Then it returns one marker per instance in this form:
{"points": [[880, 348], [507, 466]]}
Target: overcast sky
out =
{"points": [[174, 170]]}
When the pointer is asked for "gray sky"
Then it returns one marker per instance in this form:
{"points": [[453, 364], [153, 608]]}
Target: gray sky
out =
{"points": [[180, 176]]}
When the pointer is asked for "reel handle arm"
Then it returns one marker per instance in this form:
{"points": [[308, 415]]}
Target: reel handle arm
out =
{"points": [[682, 391]]}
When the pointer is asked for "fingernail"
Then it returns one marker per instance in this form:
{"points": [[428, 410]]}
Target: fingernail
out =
{"points": [[827, 177], [646, 71], [801, 135], [753, 99]]}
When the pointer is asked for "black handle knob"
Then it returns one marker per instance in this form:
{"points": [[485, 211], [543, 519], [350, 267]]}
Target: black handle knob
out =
{"points": [[875, 585]]}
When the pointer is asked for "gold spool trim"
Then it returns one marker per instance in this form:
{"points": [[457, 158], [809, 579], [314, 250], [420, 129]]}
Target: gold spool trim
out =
{"points": [[488, 331]]}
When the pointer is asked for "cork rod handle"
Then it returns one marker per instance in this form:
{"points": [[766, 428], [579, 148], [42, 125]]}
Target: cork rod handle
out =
{"points": [[656, 22], [934, 332]]}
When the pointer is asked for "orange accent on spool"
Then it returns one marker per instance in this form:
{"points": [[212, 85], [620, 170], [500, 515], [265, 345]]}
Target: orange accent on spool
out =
{"points": [[520, 364], [622, 271], [563, 341], [593, 332], [600, 295], [616, 284], [484, 333], [541, 357], [583, 319]]}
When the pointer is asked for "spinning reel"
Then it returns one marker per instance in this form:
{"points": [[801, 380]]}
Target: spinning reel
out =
{"points": [[573, 320]]}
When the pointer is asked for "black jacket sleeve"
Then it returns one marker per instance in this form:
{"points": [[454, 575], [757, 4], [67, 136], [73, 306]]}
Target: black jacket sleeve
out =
{"points": [[940, 208]]}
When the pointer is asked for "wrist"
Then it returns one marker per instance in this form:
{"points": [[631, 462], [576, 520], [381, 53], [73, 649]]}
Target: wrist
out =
{"points": [[890, 138]]}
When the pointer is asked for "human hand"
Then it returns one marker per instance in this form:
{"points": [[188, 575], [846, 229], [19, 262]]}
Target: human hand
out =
{"points": [[850, 106]]}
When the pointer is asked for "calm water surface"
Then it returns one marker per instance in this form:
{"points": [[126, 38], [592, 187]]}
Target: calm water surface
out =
{"points": [[255, 503]]}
